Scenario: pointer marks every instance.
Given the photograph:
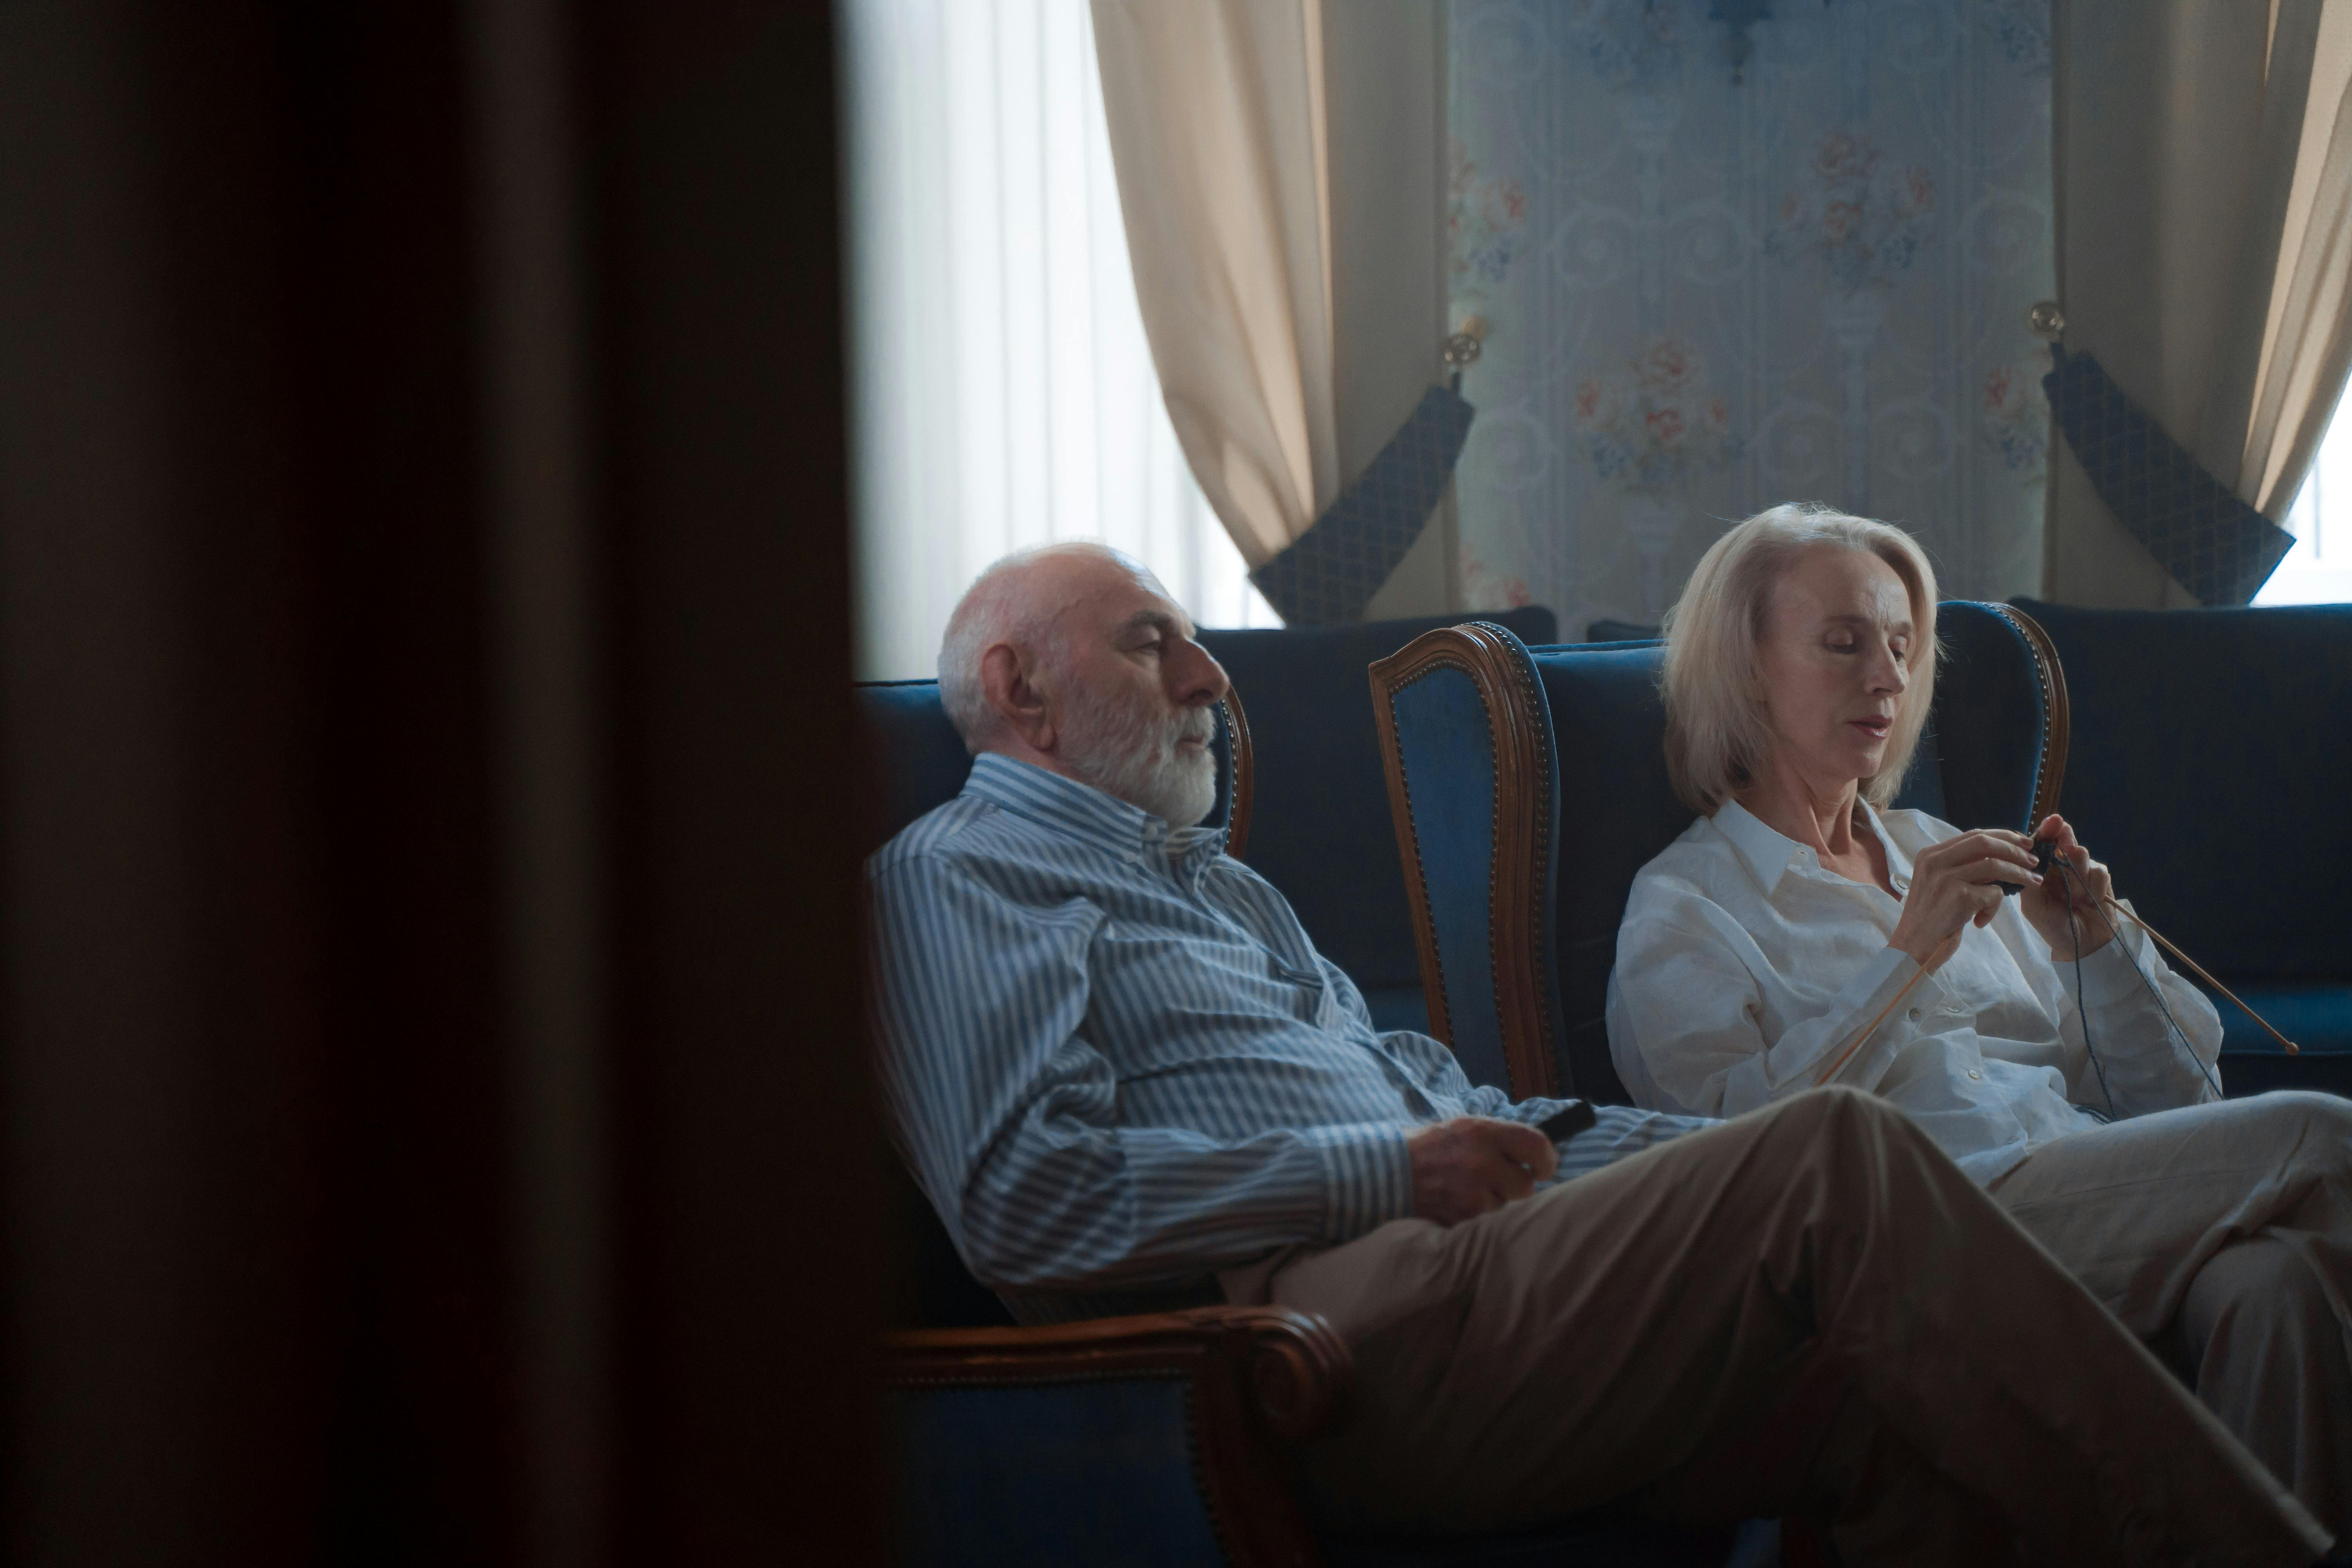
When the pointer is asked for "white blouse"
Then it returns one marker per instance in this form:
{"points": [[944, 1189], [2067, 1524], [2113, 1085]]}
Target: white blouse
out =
{"points": [[1746, 968]]}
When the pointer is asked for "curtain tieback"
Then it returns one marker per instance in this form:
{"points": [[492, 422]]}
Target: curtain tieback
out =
{"points": [[1327, 574], [2214, 544]]}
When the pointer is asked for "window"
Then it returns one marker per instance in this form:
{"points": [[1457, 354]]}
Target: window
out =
{"points": [[2318, 570], [1002, 390]]}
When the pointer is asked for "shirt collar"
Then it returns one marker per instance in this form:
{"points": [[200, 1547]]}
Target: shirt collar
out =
{"points": [[1767, 852], [1083, 812]]}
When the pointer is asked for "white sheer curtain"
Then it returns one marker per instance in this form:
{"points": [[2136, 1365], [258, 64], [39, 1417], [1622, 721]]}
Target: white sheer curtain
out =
{"points": [[1004, 394]]}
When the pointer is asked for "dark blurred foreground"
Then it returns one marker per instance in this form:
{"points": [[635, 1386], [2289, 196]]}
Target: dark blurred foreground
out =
{"points": [[431, 1113]]}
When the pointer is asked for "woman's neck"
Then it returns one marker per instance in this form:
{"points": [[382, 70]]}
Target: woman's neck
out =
{"points": [[1817, 813]]}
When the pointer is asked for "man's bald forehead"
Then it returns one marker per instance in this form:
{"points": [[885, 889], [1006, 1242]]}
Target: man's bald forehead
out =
{"points": [[1061, 569]]}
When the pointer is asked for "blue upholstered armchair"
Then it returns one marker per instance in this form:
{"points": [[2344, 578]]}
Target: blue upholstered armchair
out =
{"points": [[1506, 763], [1159, 1437]]}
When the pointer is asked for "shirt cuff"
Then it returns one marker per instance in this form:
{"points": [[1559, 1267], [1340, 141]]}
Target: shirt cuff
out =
{"points": [[1367, 1178], [2113, 974]]}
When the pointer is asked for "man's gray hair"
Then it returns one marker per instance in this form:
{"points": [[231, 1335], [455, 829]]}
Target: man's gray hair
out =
{"points": [[994, 610]]}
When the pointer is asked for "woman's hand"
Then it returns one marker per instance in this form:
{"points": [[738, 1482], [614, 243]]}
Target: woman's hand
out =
{"points": [[2086, 892], [1956, 884]]}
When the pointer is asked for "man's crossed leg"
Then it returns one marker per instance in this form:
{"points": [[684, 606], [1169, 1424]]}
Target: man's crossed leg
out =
{"points": [[1808, 1309]]}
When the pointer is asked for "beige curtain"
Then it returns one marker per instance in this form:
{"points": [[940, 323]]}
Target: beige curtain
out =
{"points": [[1281, 173], [2204, 195], [1215, 110]]}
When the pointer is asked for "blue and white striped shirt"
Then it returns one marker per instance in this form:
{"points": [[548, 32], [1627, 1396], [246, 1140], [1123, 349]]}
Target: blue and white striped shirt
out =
{"points": [[1115, 1061]]}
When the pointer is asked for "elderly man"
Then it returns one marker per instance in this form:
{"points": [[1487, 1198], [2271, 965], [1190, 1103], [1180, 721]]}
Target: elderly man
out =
{"points": [[1118, 1066]]}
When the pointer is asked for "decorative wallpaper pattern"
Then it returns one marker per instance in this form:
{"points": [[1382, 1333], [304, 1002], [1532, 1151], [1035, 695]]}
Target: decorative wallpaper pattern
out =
{"points": [[1725, 267]]}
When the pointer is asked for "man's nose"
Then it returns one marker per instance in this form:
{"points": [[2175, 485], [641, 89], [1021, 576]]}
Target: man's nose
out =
{"points": [[1195, 678]]}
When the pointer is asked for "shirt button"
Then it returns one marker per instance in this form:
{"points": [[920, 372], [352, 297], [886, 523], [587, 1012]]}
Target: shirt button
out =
{"points": [[1915, 1014], [1974, 1074]]}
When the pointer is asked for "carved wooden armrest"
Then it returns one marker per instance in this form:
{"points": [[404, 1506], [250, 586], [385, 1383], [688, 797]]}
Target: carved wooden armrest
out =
{"points": [[1257, 1379], [1292, 1371]]}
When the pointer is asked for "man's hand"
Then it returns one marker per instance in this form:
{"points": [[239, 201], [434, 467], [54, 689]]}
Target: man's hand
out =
{"points": [[1474, 1165]]}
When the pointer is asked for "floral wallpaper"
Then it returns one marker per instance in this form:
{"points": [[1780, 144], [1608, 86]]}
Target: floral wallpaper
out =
{"points": [[1726, 265]]}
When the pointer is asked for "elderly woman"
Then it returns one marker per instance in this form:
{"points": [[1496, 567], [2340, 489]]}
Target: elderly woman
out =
{"points": [[1800, 932]]}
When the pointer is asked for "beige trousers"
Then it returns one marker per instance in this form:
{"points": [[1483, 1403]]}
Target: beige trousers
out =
{"points": [[1809, 1310], [2221, 1235]]}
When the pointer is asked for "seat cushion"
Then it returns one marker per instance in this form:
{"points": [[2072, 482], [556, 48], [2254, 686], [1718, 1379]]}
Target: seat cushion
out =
{"points": [[2316, 1017]]}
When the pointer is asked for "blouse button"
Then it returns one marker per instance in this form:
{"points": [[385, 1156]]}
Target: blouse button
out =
{"points": [[1974, 1074], [1915, 1014]]}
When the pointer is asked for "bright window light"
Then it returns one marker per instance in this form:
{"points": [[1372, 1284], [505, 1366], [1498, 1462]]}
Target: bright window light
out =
{"points": [[2318, 570], [1003, 390]]}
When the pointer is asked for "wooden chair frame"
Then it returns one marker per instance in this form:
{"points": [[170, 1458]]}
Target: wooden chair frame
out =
{"points": [[1243, 775], [2057, 717], [1258, 1380], [1522, 855]]}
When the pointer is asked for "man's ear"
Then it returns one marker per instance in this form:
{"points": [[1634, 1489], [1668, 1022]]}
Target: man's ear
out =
{"points": [[1008, 678]]}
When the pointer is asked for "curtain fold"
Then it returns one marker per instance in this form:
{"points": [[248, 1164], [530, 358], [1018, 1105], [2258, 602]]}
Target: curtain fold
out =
{"points": [[1217, 130], [2204, 192]]}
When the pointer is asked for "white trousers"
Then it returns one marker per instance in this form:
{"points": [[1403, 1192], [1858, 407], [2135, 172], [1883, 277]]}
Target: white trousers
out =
{"points": [[2221, 1235]]}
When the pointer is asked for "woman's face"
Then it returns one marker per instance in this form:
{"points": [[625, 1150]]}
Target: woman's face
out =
{"points": [[1835, 663]]}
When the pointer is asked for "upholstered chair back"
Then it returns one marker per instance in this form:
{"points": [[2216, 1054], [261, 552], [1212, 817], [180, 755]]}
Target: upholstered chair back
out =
{"points": [[2213, 750], [1319, 814], [1528, 785], [2211, 773]]}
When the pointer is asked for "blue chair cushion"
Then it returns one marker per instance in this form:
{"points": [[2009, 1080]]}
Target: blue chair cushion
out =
{"points": [[2210, 761], [2316, 1017], [1319, 825], [1071, 1472]]}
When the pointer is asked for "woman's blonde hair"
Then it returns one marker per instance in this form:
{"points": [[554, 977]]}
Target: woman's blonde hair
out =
{"points": [[1717, 736]]}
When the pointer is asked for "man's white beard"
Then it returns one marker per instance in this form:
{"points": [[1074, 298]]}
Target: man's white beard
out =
{"points": [[1125, 750]]}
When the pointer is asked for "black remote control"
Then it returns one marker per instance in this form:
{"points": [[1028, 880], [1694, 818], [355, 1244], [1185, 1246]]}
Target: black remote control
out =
{"points": [[1566, 1125]]}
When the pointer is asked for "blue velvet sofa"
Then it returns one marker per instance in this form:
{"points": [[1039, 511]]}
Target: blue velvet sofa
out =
{"points": [[2211, 766]]}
